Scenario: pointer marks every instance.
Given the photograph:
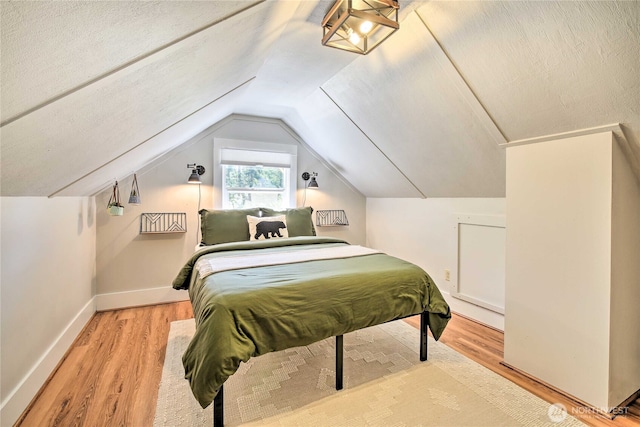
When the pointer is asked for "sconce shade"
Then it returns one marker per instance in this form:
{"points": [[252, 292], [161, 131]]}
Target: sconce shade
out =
{"points": [[360, 25], [196, 171], [313, 183], [194, 178]]}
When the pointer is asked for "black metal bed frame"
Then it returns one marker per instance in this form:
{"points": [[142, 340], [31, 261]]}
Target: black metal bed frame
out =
{"points": [[218, 401]]}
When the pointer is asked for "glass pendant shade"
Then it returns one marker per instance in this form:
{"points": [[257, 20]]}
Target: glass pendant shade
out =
{"points": [[359, 26]]}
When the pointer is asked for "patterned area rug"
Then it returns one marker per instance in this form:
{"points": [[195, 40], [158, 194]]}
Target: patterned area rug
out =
{"points": [[385, 384]]}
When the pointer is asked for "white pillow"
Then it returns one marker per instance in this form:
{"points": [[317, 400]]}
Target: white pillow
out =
{"points": [[267, 227]]}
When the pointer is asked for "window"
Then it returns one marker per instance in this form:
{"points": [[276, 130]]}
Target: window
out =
{"points": [[253, 186], [252, 174]]}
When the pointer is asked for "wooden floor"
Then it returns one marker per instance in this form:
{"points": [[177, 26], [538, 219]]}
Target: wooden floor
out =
{"points": [[110, 376]]}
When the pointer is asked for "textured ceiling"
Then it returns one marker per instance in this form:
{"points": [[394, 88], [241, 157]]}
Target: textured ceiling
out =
{"points": [[92, 91], [561, 66], [435, 138]]}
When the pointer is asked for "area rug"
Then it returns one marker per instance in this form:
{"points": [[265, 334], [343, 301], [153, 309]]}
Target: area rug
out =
{"points": [[385, 384]]}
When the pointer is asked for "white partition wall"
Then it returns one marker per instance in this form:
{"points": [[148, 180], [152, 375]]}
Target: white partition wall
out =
{"points": [[426, 233], [572, 276]]}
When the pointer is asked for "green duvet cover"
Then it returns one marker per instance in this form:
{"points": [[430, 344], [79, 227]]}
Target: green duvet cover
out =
{"points": [[247, 312]]}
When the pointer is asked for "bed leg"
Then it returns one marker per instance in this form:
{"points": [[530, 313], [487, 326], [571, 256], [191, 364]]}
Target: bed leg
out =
{"points": [[218, 409], [339, 362], [424, 322]]}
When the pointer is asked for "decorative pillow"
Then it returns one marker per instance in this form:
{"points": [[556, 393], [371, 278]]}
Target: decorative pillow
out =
{"points": [[261, 228], [299, 220], [227, 225]]}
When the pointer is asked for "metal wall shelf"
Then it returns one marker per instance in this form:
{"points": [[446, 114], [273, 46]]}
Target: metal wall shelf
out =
{"points": [[163, 223], [331, 218]]}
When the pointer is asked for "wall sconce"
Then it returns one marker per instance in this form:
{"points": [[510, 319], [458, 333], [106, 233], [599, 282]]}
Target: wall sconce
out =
{"points": [[312, 183], [196, 171], [359, 25]]}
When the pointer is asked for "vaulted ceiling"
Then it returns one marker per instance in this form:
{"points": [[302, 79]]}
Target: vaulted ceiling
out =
{"points": [[92, 91]]}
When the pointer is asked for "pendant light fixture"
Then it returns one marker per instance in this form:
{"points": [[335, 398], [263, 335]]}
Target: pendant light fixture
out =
{"points": [[134, 197], [360, 25]]}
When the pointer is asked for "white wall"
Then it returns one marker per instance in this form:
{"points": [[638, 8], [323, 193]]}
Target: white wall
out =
{"points": [[573, 235], [625, 280], [422, 231], [47, 289], [558, 263], [134, 269]]}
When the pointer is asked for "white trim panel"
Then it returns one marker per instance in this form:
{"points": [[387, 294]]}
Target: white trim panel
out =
{"points": [[479, 273], [614, 127]]}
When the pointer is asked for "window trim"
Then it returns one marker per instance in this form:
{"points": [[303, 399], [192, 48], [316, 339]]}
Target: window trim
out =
{"points": [[236, 144]]}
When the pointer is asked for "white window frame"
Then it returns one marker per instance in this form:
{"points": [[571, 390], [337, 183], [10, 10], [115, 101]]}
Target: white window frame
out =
{"points": [[220, 144]]}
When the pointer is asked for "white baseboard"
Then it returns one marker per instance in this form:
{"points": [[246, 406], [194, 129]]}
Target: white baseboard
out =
{"points": [[18, 400], [20, 397], [139, 297], [472, 311]]}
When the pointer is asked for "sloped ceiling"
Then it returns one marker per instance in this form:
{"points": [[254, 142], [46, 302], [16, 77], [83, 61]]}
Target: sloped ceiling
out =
{"points": [[92, 91]]}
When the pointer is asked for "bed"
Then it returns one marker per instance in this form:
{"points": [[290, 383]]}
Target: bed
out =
{"points": [[255, 291]]}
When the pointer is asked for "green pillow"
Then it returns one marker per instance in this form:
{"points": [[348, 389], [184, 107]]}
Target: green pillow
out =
{"points": [[299, 220], [226, 225]]}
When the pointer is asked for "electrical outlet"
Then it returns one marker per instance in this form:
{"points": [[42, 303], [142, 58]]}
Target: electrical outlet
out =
{"points": [[447, 275]]}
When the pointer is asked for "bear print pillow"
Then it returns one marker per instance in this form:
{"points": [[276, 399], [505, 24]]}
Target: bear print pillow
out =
{"points": [[271, 227]]}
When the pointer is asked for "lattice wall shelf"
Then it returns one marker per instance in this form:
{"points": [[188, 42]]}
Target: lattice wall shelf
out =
{"points": [[163, 223], [331, 218]]}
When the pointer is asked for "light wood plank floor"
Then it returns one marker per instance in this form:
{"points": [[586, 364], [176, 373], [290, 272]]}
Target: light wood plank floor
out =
{"points": [[110, 376]]}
